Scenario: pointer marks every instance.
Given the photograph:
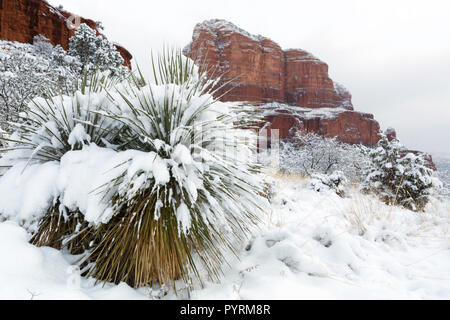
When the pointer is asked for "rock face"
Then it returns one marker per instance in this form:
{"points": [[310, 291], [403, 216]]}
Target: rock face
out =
{"points": [[391, 134], [21, 20], [348, 126], [261, 72]]}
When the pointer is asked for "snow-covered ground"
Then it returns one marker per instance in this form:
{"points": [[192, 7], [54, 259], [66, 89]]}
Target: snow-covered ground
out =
{"points": [[312, 246]]}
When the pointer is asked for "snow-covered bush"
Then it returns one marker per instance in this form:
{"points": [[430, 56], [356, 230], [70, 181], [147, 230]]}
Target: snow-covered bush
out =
{"points": [[42, 46], [60, 123], [136, 177], [3, 135], [94, 51], [24, 74], [398, 179], [311, 154], [334, 182], [28, 71]]}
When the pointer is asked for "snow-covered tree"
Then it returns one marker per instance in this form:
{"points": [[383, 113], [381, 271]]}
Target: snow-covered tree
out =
{"points": [[68, 67], [311, 154], [22, 77], [397, 178], [27, 71], [94, 51]]}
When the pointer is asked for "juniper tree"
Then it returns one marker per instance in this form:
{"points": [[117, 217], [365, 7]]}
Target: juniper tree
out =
{"points": [[398, 179], [94, 51]]}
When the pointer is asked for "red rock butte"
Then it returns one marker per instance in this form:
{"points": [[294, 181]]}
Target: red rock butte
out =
{"points": [[21, 20], [262, 72]]}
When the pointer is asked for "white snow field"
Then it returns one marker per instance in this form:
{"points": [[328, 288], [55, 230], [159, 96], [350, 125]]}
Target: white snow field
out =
{"points": [[312, 246]]}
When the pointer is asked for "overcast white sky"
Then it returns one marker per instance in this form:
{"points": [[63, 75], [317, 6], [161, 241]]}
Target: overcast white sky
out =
{"points": [[393, 55]]}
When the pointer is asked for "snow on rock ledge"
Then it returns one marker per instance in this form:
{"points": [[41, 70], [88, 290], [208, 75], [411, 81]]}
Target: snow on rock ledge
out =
{"points": [[347, 126], [264, 73]]}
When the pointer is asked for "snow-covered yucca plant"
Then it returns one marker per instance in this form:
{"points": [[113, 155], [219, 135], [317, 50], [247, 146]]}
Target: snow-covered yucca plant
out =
{"points": [[51, 127], [62, 122], [178, 202]]}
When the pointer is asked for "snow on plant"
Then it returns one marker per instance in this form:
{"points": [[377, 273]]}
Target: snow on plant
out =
{"points": [[29, 71], [334, 182], [312, 154], [51, 128], [60, 123], [22, 77], [399, 179], [141, 180], [179, 201], [136, 175], [94, 51]]}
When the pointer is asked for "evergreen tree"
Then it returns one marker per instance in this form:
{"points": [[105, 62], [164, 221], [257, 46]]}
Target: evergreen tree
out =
{"points": [[93, 51], [417, 182], [399, 179]]}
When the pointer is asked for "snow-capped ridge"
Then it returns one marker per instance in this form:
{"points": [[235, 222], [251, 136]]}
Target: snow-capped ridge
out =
{"points": [[226, 26]]}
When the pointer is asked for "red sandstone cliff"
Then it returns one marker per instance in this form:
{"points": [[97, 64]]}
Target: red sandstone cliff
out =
{"points": [[21, 20], [263, 73], [348, 126]]}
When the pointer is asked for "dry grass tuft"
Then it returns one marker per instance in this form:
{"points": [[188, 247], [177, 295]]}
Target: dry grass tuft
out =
{"points": [[288, 177]]}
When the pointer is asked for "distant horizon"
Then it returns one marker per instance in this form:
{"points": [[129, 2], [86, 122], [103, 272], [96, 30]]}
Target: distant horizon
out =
{"points": [[394, 62], [441, 156]]}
